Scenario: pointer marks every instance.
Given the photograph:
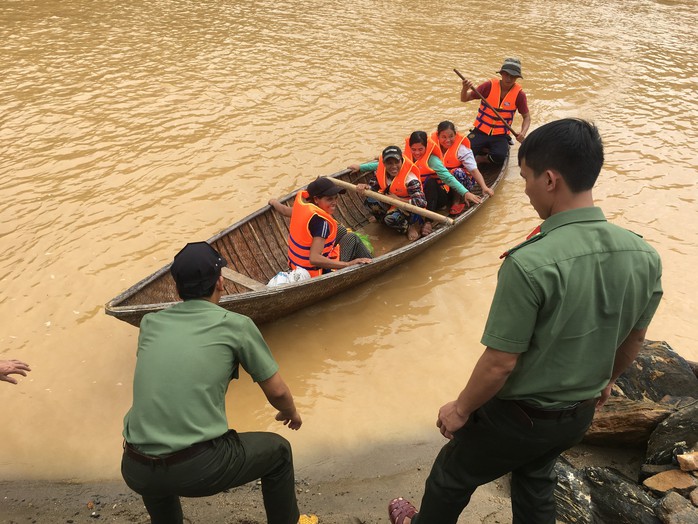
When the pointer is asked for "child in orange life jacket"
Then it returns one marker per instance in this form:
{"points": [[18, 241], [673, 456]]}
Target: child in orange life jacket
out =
{"points": [[458, 158], [397, 177], [316, 241], [436, 179]]}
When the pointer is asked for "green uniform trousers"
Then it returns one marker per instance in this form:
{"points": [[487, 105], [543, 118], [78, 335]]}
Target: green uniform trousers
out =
{"points": [[497, 439], [231, 460]]}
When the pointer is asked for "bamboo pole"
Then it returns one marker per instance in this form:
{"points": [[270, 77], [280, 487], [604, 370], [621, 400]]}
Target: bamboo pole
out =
{"points": [[436, 217], [484, 101]]}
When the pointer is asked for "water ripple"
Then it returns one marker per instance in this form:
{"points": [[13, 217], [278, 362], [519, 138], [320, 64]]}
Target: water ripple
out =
{"points": [[128, 128]]}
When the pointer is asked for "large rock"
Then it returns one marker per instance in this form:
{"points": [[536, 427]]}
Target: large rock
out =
{"points": [[572, 495], [654, 403], [693, 497], [623, 422], [650, 470], [603, 495], [658, 383], [671, 480], [616, 498], [688, 461], [656, 372], [693, 366], [676, 434], [674, 509]]}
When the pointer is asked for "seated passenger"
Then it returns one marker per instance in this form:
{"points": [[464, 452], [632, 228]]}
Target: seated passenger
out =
{"points": [[396, 177], [316, 241], [436, 179], [458, 158]]}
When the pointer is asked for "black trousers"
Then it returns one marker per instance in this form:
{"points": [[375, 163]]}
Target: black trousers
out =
{"points": [[496, 147], [233, 460], [351, 246], [497, 439], [436, 194]]}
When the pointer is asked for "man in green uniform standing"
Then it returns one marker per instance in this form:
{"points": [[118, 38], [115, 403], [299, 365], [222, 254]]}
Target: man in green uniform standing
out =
{"points": [[177, 441], [570, 313]]}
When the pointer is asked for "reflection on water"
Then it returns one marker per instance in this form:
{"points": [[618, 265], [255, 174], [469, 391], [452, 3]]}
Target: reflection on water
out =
{"points": [[129, 128]]}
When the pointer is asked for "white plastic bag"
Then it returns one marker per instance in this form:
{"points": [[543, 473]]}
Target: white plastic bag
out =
{"points": [[289, 277], [279, 279], [298, 274]]}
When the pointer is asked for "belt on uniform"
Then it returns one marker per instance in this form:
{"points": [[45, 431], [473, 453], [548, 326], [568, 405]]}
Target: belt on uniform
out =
{"points": [[551, 414], [167, 460]]}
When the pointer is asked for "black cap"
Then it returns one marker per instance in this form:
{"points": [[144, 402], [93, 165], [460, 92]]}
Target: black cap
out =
{"points": [[322, 186], [196, 268], [392, 152]]}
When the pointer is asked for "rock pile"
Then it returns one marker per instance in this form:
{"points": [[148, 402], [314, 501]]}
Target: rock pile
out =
{"points": [[655, 406]]}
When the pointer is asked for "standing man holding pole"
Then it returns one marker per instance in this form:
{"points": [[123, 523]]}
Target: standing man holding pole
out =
{"points": [[570, 313], [500, 99], [176, 437]]}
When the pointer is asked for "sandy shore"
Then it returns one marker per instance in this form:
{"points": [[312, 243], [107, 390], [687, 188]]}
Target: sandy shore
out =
{"points": [[346, 490]]}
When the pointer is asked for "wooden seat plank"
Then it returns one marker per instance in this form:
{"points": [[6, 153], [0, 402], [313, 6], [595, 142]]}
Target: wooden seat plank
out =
{"points": [[241, 279]]}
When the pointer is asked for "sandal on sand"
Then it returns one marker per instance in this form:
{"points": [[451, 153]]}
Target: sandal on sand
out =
{"points": [[426, 229], [400, 509], [456, 209], [308, 519]]}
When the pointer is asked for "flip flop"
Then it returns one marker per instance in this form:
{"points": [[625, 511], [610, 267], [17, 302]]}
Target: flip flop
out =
{"points": [[400, 509], [456, 209]]}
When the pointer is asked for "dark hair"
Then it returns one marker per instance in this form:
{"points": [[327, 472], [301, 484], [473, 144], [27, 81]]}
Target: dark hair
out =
{"points": [[445, 125], [200, 292], [571, 146], [418, 137]]}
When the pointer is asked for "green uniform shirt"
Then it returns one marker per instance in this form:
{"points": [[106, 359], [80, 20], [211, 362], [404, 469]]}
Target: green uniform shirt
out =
{"points": [[566, 299], [187, 356]]}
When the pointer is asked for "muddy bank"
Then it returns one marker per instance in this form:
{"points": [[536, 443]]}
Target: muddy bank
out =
{"points": [[353, 490]]}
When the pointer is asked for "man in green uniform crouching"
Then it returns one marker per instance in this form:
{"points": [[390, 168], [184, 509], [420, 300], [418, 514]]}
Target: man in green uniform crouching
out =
{"points": [[177, 441], [569, 314]]}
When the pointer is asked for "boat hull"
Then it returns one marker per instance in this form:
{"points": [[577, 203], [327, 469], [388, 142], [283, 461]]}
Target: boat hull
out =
{"points": [[256, 248]]}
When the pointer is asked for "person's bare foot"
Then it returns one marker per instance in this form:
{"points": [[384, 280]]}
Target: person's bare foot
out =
{"points": [[414, 232], [426, 229], [372, 219]]}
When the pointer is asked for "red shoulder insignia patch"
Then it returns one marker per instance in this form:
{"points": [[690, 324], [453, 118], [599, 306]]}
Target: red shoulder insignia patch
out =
{"points": [[532, 235]]}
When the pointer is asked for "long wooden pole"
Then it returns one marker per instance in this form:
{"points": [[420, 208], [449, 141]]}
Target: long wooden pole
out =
{"points": [[397, 203], [484, 101]]}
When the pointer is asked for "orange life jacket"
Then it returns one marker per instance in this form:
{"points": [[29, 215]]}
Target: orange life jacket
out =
{"points": [[398, 186], [300, 239], [486, 121], [450, 157], [422, 164]]}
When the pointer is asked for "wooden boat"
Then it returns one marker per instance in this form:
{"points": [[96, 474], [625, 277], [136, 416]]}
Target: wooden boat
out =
{"points": [[256, 250]]}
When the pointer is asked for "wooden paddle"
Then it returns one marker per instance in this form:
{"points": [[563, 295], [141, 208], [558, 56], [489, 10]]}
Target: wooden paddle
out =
{"points": [[397, 203], [484, 101]]}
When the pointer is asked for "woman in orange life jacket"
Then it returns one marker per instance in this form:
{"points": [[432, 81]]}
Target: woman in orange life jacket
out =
{"points": [[458, 158], [436, 179], [316, 241], [397, 177]]}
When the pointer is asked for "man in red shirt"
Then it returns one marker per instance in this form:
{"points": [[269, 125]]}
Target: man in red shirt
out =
{"points": [[489, 138]]}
